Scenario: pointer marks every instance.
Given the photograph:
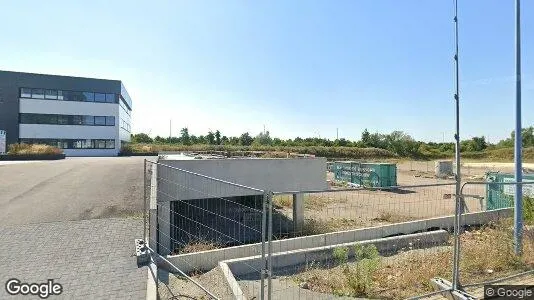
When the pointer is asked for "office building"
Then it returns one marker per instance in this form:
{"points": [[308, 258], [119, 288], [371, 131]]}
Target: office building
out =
{"points": [[82, 116]]}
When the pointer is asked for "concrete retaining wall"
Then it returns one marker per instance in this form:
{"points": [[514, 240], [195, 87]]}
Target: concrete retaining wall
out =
{"points": [[243, 266], [270, 174], [207, 260]]}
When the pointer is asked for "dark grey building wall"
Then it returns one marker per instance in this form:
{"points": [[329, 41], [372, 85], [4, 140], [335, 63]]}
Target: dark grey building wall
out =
{"points": [[11, 82]]}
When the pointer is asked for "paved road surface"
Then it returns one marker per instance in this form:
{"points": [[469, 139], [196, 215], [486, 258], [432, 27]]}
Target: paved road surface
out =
{"points": [[91, 259], [71, 189]]}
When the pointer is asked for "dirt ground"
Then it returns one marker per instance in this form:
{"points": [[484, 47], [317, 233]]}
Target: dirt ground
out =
{"points": [[342, 210]]}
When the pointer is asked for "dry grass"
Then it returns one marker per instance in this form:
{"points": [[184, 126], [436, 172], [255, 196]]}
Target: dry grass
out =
{"points": [[391, 217], [487, 253], [283, 201], [33, 149], [319, 226], [196, 246], [311, 201]]}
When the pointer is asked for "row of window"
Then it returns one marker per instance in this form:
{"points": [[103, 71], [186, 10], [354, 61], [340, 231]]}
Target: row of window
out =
{"points": [[126, 109], [73, 143], [53, 119], [125, 125], [68, 95]]}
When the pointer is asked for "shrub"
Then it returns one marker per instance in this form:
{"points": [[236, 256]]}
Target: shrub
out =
{"points": [[33, 149], [365, 252], [360, 276], [126, 149], [341, 255]]}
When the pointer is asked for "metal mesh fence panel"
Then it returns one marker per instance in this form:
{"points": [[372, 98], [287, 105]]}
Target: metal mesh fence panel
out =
{"points": [[487, 244], [204, 226], [376, 243]]}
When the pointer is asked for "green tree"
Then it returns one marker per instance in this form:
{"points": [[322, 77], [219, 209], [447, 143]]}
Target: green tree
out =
{"points": [[479, 143], [366, 136], [263, 138], [202, 139], [245, 139], [233, 141], [141, 138], [211, 138], [217, 137], [184, 136], [159, 139]]}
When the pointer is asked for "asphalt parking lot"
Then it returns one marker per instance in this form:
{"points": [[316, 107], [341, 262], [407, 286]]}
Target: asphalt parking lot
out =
{"points": [[76, 188]]}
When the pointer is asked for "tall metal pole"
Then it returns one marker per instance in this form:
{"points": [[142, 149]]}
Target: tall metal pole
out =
{"points": [[459, 207], [518, 212]]}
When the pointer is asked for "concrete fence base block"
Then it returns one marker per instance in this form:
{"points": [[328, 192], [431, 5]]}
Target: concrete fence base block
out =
{"points": [[445, 286], [141, 252]]}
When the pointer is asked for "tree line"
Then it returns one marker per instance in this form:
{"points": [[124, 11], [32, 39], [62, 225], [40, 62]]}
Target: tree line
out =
{"points": [[397, 142]]}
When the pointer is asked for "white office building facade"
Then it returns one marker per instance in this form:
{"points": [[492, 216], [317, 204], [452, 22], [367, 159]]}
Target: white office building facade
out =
{"points": [[82, 116]]}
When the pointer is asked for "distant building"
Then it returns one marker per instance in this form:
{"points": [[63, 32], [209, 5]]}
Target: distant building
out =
{"points": [[82, 116]]}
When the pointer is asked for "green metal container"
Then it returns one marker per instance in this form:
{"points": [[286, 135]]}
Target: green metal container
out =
{"points": [[366, 174], [502, 196]]}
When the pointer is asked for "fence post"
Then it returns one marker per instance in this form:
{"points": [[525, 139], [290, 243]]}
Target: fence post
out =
{"points": [[270, 247], [298, 212], [144, 201], [263, 237]]}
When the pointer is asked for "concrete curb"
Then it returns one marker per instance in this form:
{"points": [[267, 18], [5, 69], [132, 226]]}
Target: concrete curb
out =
{"points": [[151, 284], [207, 260]]}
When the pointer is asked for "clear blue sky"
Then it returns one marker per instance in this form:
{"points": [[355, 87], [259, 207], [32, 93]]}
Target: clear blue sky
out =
{"points": [[301, 68]]}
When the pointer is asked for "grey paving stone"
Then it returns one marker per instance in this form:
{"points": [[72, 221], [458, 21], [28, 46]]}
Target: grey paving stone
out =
{"points": [[90, 258]]}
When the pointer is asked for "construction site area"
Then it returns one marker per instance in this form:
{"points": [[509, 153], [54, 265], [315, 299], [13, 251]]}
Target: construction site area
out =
{"points": [[303, 227]]}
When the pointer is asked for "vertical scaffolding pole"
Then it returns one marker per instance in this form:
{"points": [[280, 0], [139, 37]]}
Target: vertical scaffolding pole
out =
{"points": [[518, 212], [459, 207]]}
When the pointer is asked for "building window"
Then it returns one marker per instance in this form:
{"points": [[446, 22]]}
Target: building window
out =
{"points": [[88, 120], [63, 120], [73, 143], [100, 144], [68, 96], [100, 97], [110, 144], [45, 119], [51, 94], [53, 119], [77, 120], [110, 121], [25, 93], [110, 98], [38, 93], [101, 121], [88, 97]]}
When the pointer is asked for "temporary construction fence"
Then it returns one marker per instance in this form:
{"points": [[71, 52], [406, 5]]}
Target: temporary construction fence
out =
{"points": [[216, 239], [487, 253], [195, 213]]}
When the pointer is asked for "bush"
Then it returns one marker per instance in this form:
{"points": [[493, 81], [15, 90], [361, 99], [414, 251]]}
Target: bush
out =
{"points": [[280, 151], [126, 149], [341, 255], [360, 276], [33, 149]]}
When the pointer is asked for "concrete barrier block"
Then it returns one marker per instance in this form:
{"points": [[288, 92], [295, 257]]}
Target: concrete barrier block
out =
{"points": [[141, 252]]}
